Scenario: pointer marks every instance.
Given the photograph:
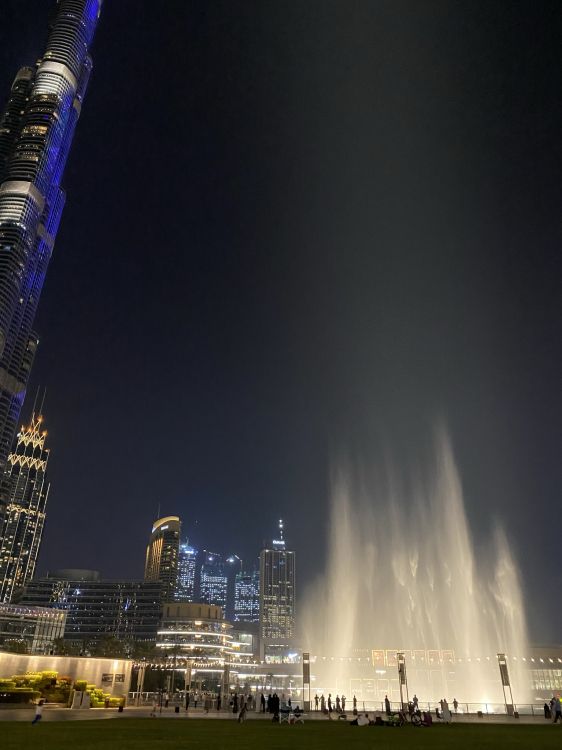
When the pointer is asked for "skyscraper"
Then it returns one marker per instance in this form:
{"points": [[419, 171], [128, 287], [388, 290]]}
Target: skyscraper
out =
{"points": [[187, 568], [36, 131], [247, 597], [22, 527], [214, 580], [277, 595], [162, 554]]}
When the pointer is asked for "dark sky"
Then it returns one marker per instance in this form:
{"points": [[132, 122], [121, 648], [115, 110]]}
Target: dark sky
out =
{"points": [[294, 230]]}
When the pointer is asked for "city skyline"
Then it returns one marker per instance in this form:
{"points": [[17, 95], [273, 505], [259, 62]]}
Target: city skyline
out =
{"points": [[350, 253]]}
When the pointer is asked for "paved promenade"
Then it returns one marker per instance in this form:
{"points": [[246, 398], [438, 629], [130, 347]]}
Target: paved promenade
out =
{"points": [[65, 714]]}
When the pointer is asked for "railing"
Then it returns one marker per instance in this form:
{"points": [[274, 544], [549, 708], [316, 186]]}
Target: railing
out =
{"points": [[463, 709]]}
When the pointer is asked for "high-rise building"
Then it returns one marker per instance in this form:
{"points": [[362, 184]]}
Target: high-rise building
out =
{"points": [[213, 587], [22, 527], [36, 131], [247, 597], [277, 595], [96, 610], [162, 554], [187, 568]]}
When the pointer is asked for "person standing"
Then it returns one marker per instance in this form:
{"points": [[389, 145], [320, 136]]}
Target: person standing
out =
{"points": [[338, 707], [355, 705], [219, 702], [187, 697], [557, 709], [387, 705], [316, 702], [329, 703], [262, 703], [38, 711], [415, 702], [323, 703], [343, 703], [455, 704]]}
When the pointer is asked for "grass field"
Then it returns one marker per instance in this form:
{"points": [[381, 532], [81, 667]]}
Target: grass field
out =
{"points": [[169, 734]]}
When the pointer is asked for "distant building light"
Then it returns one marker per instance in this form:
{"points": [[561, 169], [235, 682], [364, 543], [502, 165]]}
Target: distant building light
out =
{"points": [[279, 542]]}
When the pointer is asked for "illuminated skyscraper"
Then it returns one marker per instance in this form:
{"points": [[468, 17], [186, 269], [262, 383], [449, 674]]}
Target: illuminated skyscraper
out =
{"points": [[36, 131], [277, 595], [214, 580], [187, 568], [247, 597], [24, 518], [162, 554]]}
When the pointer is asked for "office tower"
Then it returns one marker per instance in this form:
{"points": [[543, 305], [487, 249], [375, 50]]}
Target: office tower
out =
{"points": [[22, 527], [162, 554], [187, 567], [234, 565], [213, 585], [247, 597], [277, 595], [97, 610], [36, 131]]}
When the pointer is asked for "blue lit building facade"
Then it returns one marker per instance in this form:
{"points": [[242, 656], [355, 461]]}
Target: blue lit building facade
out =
{"points": [[247, 597], [187, 569], [36, 132]]}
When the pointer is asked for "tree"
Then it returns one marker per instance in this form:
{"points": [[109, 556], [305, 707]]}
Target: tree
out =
{"points": [[110, 647]]}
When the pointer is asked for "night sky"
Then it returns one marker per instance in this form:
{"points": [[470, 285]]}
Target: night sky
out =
{"points": [[296, 230]]}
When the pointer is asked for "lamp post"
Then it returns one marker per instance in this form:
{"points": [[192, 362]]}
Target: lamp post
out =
{"points": [[401, 659], [306, 680], [504, 674]]}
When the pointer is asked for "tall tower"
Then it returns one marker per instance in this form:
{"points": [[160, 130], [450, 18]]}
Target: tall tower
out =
{"points": [[22, 529], [187, 566], [277, 596], [162, 554], [36, 131], [247, 597]]}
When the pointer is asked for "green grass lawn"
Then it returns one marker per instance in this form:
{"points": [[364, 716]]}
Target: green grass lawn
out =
{"points": [[168, 734]]}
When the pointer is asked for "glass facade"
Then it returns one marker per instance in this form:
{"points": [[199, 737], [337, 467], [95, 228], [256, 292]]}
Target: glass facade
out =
{"points": [[214, 580], [96, 609], [35, 628], [36, 132], [162, 554], [22, 528], [277, 594], [187, 568], [247, 597]]}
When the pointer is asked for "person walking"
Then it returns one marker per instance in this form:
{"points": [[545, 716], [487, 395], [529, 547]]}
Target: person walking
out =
{"points": [[387, 705], [235, 704], [546, 710], [38, 711], [415, 702], [455, 705], [154, 707], [219, 702]]}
